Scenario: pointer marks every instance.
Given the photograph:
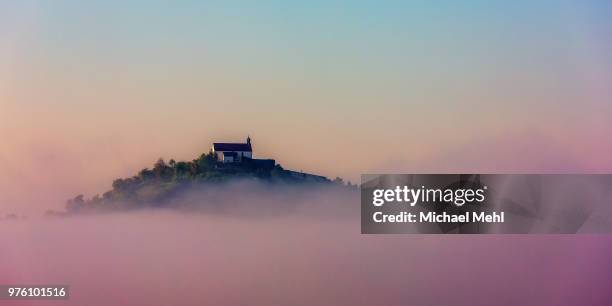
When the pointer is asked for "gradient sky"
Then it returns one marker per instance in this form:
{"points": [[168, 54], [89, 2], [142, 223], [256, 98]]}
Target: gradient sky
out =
{"points": [[92, 91]]}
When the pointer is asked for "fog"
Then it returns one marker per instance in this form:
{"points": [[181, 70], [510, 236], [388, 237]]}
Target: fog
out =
{"points": [[247, 251]]}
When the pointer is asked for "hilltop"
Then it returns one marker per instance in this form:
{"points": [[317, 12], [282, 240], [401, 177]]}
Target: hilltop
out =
{"points": [[167, 181]]}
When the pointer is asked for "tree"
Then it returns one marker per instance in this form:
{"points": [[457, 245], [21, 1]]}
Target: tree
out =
{"points": [[182, 169], [75, 204], [161, 170], [205, 162], [146, 174], [119, 184]]}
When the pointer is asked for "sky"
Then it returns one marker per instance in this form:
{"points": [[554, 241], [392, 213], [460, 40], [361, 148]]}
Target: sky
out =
{"points": [[92, 91]]}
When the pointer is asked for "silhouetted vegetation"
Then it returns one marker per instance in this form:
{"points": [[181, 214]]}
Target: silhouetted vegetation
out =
{"points": [[156, 186]]}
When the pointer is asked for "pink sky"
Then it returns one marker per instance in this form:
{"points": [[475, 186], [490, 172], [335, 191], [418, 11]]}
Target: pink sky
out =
{"points": [[88, 95]]}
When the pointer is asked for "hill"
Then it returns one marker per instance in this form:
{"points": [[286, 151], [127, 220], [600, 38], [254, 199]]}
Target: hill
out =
{"points": [[166, 181]]}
